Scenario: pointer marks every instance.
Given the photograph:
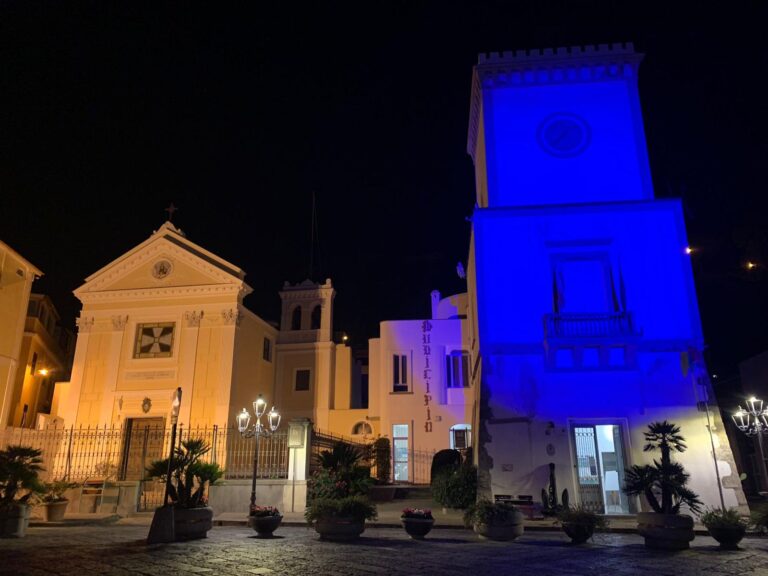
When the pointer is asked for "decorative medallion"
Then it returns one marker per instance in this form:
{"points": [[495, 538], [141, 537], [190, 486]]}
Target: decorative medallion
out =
{"points": [[564, 135], [146, 405], [162, 269], [550, 449]]}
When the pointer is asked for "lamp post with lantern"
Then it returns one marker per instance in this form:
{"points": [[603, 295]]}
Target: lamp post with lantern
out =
{"points": [[257, 430], [753, 421]]}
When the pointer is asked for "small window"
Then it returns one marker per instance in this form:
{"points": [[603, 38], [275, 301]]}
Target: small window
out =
{"points": [[457, 369], [154, 340], [267, 352], [296, 318], [32, 308], [302, 380], [317, 313], [362, 428], [400, 373], [34, 363], [461, 436]]}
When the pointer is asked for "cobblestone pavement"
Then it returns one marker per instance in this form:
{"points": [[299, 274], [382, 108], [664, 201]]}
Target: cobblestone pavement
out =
{"points": [[120, 550]]}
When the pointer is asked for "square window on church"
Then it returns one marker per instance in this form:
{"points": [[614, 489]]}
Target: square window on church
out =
{"points": [[302, 379], [267, 352], [154, 340]]}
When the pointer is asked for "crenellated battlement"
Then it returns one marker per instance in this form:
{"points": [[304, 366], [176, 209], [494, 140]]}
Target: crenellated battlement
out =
{"points": [[562, 53]]}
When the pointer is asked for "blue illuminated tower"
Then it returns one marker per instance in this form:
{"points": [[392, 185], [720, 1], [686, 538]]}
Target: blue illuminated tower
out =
{"points": [[585, 324]]}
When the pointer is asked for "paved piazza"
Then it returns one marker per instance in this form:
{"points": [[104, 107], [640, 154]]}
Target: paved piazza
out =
{"points": [[119, 549]]}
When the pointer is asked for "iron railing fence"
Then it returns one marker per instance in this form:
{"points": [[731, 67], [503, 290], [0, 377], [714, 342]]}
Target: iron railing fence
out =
{"points": [[124, 452], [589, 325], [322, 441]]}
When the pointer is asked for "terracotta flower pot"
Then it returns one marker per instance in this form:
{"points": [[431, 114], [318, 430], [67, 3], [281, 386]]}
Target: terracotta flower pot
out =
{"points": [[503, 532], [665, 531], [333, 528], [265, 525], [417, 528], [54, 511], [192, 523], [728, 538], [14, 520]]}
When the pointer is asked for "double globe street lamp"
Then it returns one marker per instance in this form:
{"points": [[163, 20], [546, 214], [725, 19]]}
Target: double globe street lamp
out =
{"points": [[753, 421], [257, 430]]}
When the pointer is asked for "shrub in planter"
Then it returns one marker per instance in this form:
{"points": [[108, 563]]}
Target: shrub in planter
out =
{"points": [[54, 500], [381, 453], [340, 518], [725, 526], [494, 521], [264, 520], [444, 462], [190, 477], [579, 524], [417, 522], [19, 484], [664, 486], [456, 488]]}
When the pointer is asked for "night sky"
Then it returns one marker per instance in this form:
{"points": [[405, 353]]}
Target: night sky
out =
{"points": [[238, 114]]}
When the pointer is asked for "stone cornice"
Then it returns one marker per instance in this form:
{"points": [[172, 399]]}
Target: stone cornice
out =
{"points": [[164, 292]]}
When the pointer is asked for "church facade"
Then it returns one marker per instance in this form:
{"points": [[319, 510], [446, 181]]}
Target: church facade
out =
{"points": [[583, 318]]}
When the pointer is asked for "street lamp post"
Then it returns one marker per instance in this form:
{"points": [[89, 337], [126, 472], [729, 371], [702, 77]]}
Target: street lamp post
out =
{"points": [[257, 431], [754, 422]]}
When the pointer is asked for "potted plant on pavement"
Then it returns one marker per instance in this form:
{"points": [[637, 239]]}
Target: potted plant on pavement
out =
{"points": [[579, 524], [265, 520], [338, 505], [19, 484], [417, 522], [494, 521], [725, 526], [382, 489], [190, 477], [664, 486], [54, 499]]}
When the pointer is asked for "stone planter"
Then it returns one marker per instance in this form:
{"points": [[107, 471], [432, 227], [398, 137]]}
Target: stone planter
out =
{"points": [[502, 532], [728, 538], [417, 528], [14, 521], [265, 525], [339, 528], [54, 511], [665, 531], [578, 533], [192, 523]]}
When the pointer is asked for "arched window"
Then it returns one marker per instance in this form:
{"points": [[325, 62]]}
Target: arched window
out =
{"points": [[316, 314], [461, 436], [296, 318], [361, 428]]}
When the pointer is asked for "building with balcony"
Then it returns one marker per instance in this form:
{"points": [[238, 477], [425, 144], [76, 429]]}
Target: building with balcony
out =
{"points": [[584, 323]]}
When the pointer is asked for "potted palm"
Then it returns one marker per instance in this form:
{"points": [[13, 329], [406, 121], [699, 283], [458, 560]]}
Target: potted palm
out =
{"points": [[725, 526], [494, 521], [265, 520], [190, 477], [55, 500], [580, 524], [664, 486], [19, 484], [339, 505], [417, 522]]}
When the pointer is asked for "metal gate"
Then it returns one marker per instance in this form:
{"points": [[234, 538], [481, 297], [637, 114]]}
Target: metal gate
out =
{"points": [[144, 442], [588, 469]]}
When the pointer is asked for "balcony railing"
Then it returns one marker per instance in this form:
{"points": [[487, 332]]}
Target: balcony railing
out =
{"points": [[610, 325]]}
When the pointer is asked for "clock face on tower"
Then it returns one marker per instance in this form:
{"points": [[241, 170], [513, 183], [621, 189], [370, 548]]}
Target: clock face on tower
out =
{"points": [[564, 135]]}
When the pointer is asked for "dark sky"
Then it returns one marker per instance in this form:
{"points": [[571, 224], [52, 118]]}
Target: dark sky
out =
{"points": [[237, 113]]}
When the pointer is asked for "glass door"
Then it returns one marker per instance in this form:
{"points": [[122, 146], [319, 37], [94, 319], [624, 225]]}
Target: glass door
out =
{"points": [[600, 467], [400, 451]]}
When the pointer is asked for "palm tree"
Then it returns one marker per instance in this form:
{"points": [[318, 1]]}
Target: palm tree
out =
{"points": [[664, 483]]}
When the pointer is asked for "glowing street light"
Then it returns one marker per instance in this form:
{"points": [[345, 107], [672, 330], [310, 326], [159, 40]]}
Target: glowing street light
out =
{"points": [[750, 265], [753, 421], [689, 250], [257, 430], [43, 371]]}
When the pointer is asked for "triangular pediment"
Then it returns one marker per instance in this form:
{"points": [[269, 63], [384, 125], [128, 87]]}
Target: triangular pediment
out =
{"points": [[165, 260]]}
